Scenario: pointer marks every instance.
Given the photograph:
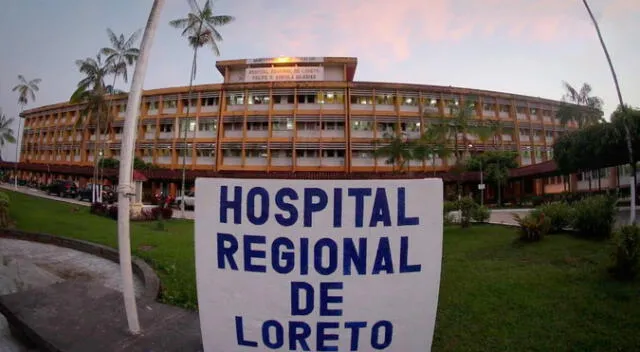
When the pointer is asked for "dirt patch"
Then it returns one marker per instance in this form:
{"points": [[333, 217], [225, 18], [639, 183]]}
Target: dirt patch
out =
{"points": [[66, 273], [145, 247]]}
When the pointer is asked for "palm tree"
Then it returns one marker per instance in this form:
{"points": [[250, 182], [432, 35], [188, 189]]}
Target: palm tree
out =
{"points": [[579, 106], [632, 162], [200, 28], [26, 89], [6, 133], [120, 56], [396, 149], [91, 91], [431, 145]]}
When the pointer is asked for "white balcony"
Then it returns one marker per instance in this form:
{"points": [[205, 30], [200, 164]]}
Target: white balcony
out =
{"points": [[206, 134], [258, 134], [385, 108], [90, 158], [77, 158], [282, 133], [235, 107], [308, 106], [93, 137], [147, 159], [525, 138], [409, 108], [415, 163], [255, 161], [362, 107], [546, 119], [233, 133], [206, 160], [60, 139], [67, 158], [362, 134], [526, 161], [164, 159], [121, 114], [166, 135], [332, 162], [308, 133], [435, 162], [58, 157], [281, 161], [537, 138], [521, 116], [169, 110], [431, 109], [209, 108], [503, 115], [78, 137], [283, 107], [332, 106], [304, 161], [412, 134], [549, 139], [150, 135], [231, 160], [362, 161], [258, 107], [152, 112], [488, 113], [333, 133], [117, 136], [507, 137]]}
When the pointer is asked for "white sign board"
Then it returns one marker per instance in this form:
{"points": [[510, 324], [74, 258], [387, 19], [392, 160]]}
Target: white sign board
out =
{"points": [[302, 265], [269, 74], [283, 59]]}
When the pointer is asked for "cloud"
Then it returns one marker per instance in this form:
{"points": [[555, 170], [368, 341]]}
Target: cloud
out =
{"points": [[391, 30]]}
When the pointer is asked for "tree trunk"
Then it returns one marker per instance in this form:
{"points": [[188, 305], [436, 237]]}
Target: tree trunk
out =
{"points": [[632, 213], [499, 193], [184, 158], [109, 109], [599, 180]]}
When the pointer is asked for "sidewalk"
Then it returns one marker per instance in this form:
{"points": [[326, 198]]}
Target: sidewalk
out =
{"points": [[189, 215]]}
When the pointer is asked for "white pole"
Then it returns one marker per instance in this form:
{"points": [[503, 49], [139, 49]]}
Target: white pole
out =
{"points": [[18, 145], [125, 190]]}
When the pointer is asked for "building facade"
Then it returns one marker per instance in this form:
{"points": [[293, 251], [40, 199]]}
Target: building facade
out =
{"points": [[287, 114]]}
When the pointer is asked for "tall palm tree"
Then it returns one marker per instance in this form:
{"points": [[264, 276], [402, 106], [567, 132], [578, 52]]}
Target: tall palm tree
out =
{"points": [[632, 162], [26, 89], [120, 55], [92, 91], [200, 28], [6, 133], [432, 145], [396, 150], [580, 106]]}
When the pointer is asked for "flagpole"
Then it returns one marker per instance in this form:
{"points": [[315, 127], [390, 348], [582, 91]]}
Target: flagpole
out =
{"points": [[125, 189]]}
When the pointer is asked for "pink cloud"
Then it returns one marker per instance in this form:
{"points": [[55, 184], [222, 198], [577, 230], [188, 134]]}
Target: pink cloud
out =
{"points": [[391, 31]]}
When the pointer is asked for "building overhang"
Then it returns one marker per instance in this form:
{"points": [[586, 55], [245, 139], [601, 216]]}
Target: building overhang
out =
{"points": [[350, 62]]}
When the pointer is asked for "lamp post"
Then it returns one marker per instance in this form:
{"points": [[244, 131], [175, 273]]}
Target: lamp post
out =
{"points": [[481, 185]]}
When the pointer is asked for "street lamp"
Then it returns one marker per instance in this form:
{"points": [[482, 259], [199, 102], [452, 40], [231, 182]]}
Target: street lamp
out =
{"points": [[481, 185]]}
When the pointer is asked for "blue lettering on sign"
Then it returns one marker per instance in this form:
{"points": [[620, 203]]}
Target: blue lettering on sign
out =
{"points": [[326, 256], [288, 207]]}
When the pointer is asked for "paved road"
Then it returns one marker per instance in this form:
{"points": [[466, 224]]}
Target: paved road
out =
{"points": [[26, 265]]}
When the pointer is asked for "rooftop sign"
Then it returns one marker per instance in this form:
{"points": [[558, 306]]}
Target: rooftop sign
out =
{"points": [[284, 59], [280, 74], [332, 265]]}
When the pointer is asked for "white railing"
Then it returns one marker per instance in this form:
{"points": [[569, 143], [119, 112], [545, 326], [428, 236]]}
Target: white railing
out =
{"points": [[362, 107], [503, 114], [258, 134], [305, 161], [205, 134], [233, 133], [169, 110], [362, 161], [166, 135], [283, 107], [206, 160], [255, 161], [333, 133], [409, 108], [302, 106], [164, 159], [281, 133], [385, 108], [231, 160], [258, 107], [332, 106], [361, 134], [209, 108], [281, 161], [332, 162], [308, 133]]}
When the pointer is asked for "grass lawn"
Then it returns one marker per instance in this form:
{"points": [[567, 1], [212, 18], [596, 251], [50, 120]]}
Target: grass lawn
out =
{"points": [[495, 295]]}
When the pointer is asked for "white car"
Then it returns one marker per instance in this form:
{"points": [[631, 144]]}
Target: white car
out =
{"points": [[189, 200]]}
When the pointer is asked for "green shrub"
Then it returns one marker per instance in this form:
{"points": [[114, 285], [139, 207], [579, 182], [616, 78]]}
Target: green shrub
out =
{"points": [[4, 210], [447, 208], [481, 214], [467, 206], [559, 214], [533, 227], [626, 254], [594, 217]]}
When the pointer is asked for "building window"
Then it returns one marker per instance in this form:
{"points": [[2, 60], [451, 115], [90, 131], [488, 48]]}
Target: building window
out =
{"points": [[208, 126], [333, 126], [210, 101], [331, 97], [152, 105], [169, 104], [257, 126], [194, 102], [307, 153], [188, 125], [333, 153], [166, 128], [361, 100], [205, 153], [306, 98], [282, 124], [231, 153], [362, 125], [235, 99], [385, 99], [258, 99]]}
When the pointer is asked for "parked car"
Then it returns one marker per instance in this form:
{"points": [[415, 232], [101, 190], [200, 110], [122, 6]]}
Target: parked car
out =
{"points": [[63, 188], [189, 200], [108, 195]]}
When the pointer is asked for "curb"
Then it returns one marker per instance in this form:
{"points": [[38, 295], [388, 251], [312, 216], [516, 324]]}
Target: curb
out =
{"points": [[140, 268]]}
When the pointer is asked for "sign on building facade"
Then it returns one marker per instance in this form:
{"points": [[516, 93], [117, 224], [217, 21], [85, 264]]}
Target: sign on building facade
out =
{"points": [[279, 74]]}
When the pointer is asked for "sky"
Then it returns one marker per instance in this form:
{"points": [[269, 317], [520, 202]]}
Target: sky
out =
{"points": [[518, 46]]}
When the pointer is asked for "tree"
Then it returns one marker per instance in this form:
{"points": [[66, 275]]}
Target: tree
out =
{"points": [[91, 92], [495, 165], [26, 89], [579, 106], [200, 28], [120, 55], [6, 133], [628, 137], [396, 150], [431, 145]]}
